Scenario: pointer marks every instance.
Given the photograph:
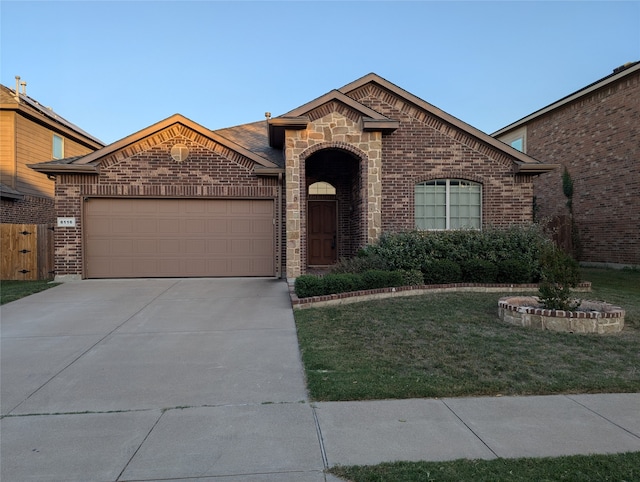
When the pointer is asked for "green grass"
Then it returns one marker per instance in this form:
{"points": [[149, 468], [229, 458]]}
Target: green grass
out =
{"points": [[596, 468], [14, 290], [453, 344]]}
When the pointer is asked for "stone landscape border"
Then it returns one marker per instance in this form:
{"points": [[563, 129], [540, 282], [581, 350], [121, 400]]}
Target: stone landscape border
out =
{"points": [[590, 317]]}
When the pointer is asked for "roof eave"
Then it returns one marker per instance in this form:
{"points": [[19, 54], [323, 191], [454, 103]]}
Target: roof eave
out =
{"points": [[268, 171], [47, 168], [387, 126], [278, 126], [10, 195], [568, 99], [534, 168]]}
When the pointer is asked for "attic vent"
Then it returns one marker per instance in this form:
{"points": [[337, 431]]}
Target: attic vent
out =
{"points": [[179, 152]]}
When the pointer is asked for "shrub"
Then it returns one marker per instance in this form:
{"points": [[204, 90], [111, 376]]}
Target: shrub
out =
{"points": [[412, 250], [308, 285], [374, 279], [479, 271], [360, 264], [559, 273], [514, 271], [441, 271], [341, 283], [412, 277]]}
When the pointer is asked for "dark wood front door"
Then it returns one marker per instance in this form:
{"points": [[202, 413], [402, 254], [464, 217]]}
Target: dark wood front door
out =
{"points": [[322, 231]]}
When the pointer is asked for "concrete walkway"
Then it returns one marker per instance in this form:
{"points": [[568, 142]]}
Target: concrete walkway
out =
{"points": [[201, 380]]}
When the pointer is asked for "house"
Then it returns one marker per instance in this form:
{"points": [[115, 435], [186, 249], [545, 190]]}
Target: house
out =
{"points": [[32, 133], [275, 197], [594, 134]]}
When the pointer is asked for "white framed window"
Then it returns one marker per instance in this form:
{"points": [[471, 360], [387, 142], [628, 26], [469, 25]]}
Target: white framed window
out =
{"points": [[58, 147], [516, 139], [448, 204], [322, 188]]}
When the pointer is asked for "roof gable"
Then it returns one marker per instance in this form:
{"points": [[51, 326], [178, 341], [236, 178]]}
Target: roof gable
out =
{"points": [[299, 117], [617, 74], [132, 144], [522, 162], [35, 111]]}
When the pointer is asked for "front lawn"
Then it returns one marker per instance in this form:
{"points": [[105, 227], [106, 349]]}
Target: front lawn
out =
{"points": [[14, 290], [592, 468], [453, 344]]}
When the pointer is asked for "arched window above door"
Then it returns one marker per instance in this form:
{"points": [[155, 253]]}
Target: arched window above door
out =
{"points": [[322, 188]]}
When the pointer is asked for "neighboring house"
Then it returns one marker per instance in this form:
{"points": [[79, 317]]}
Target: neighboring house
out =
{"points": [[31, 133], [278, 196], [595, 134]]}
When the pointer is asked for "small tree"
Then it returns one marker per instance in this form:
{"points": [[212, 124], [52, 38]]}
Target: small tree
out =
{"points": [[567, 189], [559, 273]]}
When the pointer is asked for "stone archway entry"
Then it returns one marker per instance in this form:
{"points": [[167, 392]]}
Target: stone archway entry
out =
{"points": [[322, 233]]}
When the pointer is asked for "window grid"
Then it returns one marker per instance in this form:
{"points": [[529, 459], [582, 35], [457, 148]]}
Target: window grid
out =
{"points": [[448, 204], [58, 147]]}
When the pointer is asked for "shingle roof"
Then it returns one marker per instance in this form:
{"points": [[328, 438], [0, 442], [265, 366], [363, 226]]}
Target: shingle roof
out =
{"points": [[254, 137], [8, 192], [8, 96], [617, 74]]}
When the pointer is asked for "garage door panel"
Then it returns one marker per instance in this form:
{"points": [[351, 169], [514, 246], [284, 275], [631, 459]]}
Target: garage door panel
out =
{"points": [[218, 246], [217, 226], [121, 226], [146, 247], [178, 238], [196, 246], [168, 247], [194, 226], [121, 246], [262, 227], [168, 226]]}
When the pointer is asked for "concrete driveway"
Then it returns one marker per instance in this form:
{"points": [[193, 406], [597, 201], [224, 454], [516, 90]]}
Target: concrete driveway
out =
{"points": [[106, 380], [201, 380]]}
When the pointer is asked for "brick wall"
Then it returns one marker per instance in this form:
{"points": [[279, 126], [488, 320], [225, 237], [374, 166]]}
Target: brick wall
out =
{"points": [[425, 148], [30, 210], [597, 139], [210, 171]]}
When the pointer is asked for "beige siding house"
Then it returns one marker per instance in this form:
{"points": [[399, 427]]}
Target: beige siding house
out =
{"points": [[32, 133]]}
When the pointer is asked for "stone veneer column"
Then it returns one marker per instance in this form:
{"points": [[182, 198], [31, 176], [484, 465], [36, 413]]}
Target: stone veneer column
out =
{"points": [[374, 188], [292, 189], [334, 129]]}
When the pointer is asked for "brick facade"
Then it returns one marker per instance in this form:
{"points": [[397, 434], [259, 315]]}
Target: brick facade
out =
{"points": [[372, 141], [425, 148], [147, 170], [29, 210], [597, 138]]}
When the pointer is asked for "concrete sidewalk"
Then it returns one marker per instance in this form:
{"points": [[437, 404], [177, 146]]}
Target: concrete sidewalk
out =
{"points": [[123, 380]]}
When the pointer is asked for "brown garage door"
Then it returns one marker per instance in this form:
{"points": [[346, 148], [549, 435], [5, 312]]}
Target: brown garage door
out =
{"points": [[145, 238]]}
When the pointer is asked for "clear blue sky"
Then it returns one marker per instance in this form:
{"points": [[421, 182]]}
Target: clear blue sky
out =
{"points": [[115, 67]]}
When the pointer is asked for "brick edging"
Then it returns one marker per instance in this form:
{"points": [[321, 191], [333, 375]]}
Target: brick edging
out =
{"points": [[381, 293], [611, 311]]}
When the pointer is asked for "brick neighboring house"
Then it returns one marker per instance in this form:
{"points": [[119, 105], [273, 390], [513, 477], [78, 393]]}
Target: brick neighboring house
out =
{"points": [[595, 134], [31, 133], [275, 197]]}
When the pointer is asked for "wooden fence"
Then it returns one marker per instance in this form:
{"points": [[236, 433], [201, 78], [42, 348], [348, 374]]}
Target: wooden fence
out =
{"points": [[26, 251]]}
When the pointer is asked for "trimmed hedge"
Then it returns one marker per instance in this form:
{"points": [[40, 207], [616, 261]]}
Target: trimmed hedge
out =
{"points": [[479, 271], [441, 271], [411, 258], [311, 285]]}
